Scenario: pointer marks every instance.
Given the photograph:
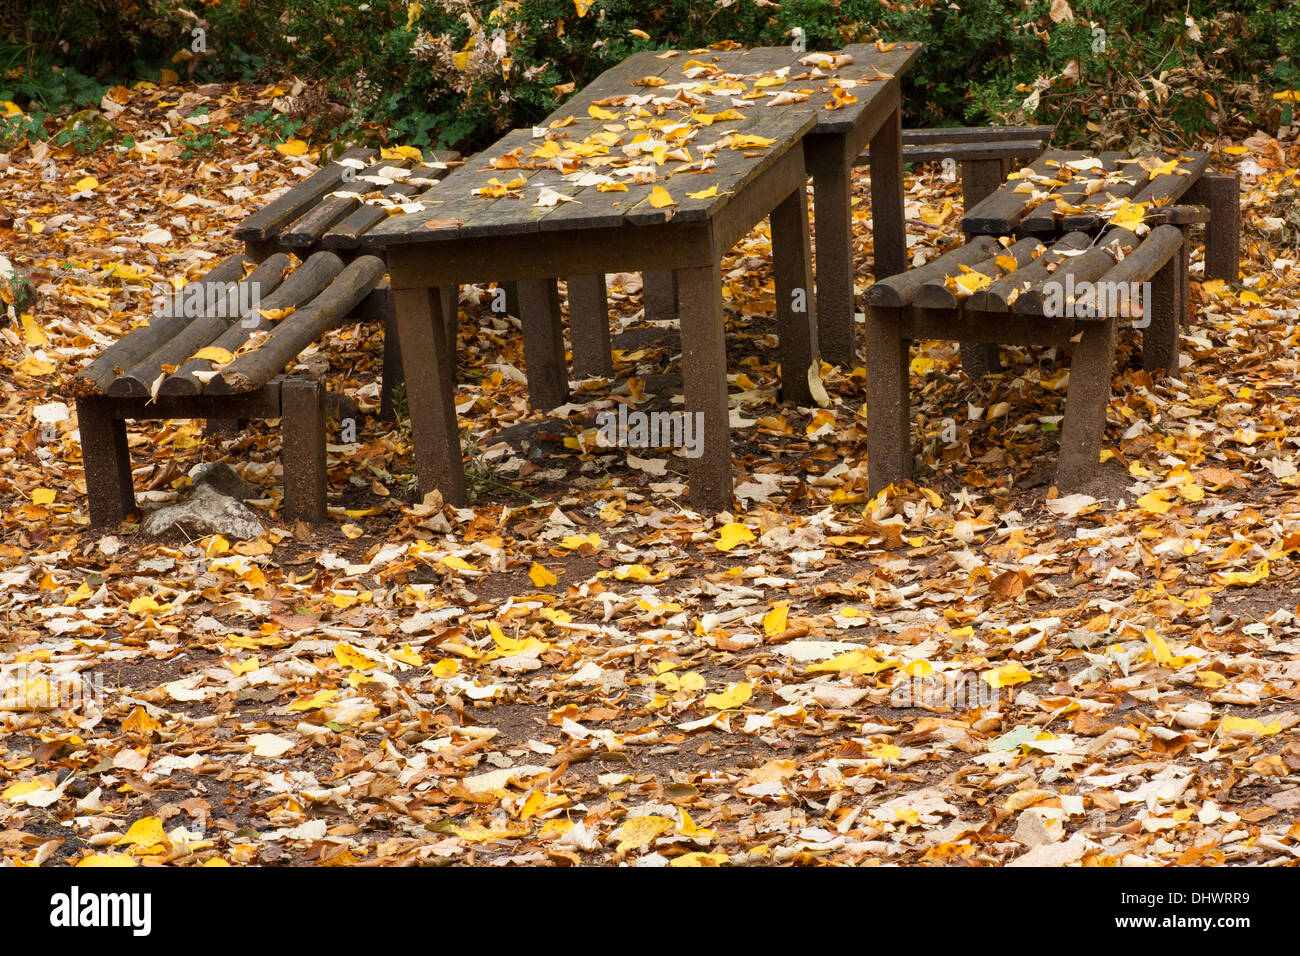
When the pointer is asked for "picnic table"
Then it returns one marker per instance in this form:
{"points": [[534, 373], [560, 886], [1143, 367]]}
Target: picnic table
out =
{"points": [[674, 159], [866, 111]]}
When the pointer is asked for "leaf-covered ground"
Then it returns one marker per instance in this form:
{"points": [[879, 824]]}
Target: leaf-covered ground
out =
{"points": [[578, 669]]}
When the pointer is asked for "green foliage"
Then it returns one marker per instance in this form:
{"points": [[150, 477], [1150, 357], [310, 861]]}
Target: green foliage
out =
{"points": [[460, 72]]}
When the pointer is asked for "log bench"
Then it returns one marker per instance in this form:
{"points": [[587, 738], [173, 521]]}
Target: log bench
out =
{"points": [[1007, 293], [986, 154], [214, 354], [1066, 191]]}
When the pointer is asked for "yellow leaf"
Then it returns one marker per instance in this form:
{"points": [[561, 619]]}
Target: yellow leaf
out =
{"points": [[1128, 215], [445, 668], [401, 152], [611, 187], [294, 147], [21, 790], [314, 702], [575, 541], [35, 367], [1254, 576], [107, 859], [169, 76], [144, 833], [860, 661], [541, 577], [731, 535], [139, 722], [698, 858], [632, 572], [733, 696], [246, 666], [459, 564], [705, 193], [34, 334], [349, 656], [85, 183], [1155, 502], [740, 141], [214, 353], [147, 605], [642, 831], [44, 496], [774, 621], [1159, 649], [595, 112], [582, 6], [1008, 675], [1236, 150], [659, 198], [1230, 724], [1007, 263]]}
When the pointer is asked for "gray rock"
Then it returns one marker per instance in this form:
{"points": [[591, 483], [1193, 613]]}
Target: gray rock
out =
{"points": [[206, 511], [221, 477]]}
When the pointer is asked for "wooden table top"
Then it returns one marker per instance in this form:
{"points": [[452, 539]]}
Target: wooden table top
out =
{"points": [[662, 136]]}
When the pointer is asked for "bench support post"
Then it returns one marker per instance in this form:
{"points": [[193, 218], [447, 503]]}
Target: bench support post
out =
{"points": [[1091, 361], [589, 327], [704, 384], [427, 362], [302, 448], [659, 294], [796, 308], [1223, 232], [889, 443], [1167, 310], [548, 376], [392, 373], [106, 460]]}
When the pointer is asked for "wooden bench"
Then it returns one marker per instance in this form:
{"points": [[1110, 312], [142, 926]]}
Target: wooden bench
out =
{"points": [[193, 360], [985, 153], [333, 209], [155, 371], [983, 292]]}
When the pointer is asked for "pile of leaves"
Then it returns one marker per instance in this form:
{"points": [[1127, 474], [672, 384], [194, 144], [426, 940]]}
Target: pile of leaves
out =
{"points": [[578, 669]]}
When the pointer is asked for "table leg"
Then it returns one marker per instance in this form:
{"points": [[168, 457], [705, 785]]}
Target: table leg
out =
{"points": [[1160, 338], [889, 442], [796, 311], [888, 227], [704, 384], [659, 293], [1091, 361], [302, 449], [833, 207], [427, 367], [589, 327], [539, 311]]}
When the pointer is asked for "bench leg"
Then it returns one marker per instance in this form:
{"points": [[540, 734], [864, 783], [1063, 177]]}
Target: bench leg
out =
{"points": [[833, 211], [979, 179], [449, 297], [106, 460], [392, 374], [1167, 310], [889, 443], [704, 385], [589, 327], [1223, 232], [659, 294], [1085, 403], [888, 227], [796, 311], [302, 448], [979, 359], [427, 363], [539, 311], [511, 290]]}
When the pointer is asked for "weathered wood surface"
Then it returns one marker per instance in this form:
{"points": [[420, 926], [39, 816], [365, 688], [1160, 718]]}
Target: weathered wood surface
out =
{"points": [[295, 332], [267, 222], [1000, 213], [95, 378], [715, 78]]}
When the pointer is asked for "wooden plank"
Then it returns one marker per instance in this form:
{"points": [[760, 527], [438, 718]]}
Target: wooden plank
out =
{"points": [[935, 294], [347, 232], [307, 229], [300, 287], [267, 222], [999, 149], [1076, 270], [1001, 212], [136, 344], [295, 332], [1093, 217], [978, 134], [897, 291], [1046, 219], [203, 330], [1002, 294]]}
